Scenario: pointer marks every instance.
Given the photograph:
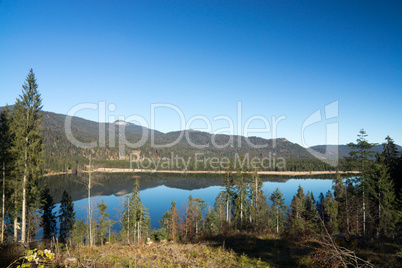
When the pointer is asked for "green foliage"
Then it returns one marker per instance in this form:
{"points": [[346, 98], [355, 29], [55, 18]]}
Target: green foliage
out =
{"points": [[48, 219], [360, 157], [331, 213], [169, 224], [27, 146], [278, 211], [212, 224], [79, 234], [6, 165], [381, 190], [193, 221], [105, 224], [298, 208], [66, 217], [136, 220]]}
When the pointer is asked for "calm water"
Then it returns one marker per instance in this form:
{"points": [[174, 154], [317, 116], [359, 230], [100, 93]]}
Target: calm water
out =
{"points": [[157, 192]]}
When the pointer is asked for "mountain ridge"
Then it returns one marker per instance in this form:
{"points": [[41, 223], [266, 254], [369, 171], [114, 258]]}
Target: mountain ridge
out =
{"points": [[62, 154]]}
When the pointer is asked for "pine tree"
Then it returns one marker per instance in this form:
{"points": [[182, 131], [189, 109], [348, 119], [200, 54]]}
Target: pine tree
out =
{"points": [[390, 152], [320, 205], [360, 158], [298, 208], [27, 123], [229, 195], [310, 215], [79, 233], [258, 207], [278, 210], [193, 218], [393, 160], [241, 201], [381, 189], [331, 213], [342, 200], [211, 225], [174, 222], [48, 220], [105, 223], [6, 162], [169, 224], [166, 226], [136, 221], [66, 217]]}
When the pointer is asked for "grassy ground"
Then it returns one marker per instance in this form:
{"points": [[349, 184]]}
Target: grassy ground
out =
{"points": [[163, 255], [235, 250]]}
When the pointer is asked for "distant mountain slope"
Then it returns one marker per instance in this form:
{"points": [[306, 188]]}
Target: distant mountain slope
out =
{"points": [[62, 154], [343, 150]]}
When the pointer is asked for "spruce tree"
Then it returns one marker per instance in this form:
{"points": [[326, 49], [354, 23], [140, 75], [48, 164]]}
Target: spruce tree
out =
{"points": [[298, 208], [342, 200], [166, 225], [105, 223], [136, 221], [220, 208], [331, 213], [241, 201], [310, 215], [174, 222], [169, 224], [48, 220], [229, 195], [381, 189], [278, 209], [360, 158], [392, 159], [211, 225], [5, 161], [66, 217], [258, 208], [27, 123]]}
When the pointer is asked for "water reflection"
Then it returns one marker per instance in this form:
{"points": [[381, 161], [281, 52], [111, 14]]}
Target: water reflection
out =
{"points": [[157, 192]]}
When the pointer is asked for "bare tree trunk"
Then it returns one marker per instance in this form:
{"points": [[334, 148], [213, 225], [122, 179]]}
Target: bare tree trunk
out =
{"points": [[4, 201], [241, 208], [357, 223], [24, 198], [227, 212], [109, 233], [347, 210], [379, 213], [89, 203], [139, 230], [128, 223], [256, 198], [364, 213], [277, 219], [15, 229]]}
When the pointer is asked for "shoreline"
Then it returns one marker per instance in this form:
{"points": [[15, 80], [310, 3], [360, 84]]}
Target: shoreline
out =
{"points": [[128, 170]]}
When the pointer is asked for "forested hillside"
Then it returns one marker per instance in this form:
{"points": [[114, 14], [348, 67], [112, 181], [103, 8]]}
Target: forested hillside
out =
{"points": [[62, 155]]}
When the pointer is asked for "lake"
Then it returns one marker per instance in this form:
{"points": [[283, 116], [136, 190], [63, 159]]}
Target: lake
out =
{"points": [[159, 190]]}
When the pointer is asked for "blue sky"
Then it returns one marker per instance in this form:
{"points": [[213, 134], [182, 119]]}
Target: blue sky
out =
{"points": [[277, 58]]}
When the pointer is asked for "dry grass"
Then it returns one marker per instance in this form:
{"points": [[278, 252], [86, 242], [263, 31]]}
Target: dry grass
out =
{"points": [[161, 255]]}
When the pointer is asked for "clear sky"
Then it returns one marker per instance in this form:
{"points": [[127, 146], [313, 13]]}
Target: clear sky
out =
{"points": [[276, 58]]}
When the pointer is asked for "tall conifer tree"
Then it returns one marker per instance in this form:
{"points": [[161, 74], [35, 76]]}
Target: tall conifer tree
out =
{"points": [[66, 217], [5, 161], [48, 221], [26, 126], [361, 158]]}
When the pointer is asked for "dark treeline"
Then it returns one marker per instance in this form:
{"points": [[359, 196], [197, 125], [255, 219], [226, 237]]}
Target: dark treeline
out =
{"points": [[56, 162]]}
